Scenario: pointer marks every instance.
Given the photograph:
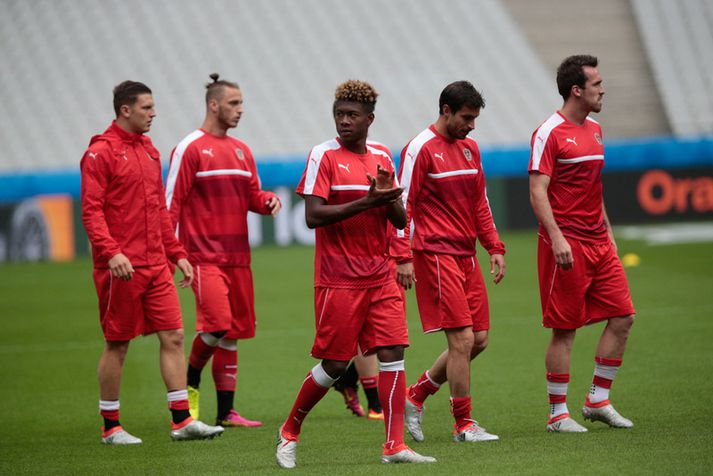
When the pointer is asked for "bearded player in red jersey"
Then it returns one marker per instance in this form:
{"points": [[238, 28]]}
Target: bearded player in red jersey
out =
{"points": [[444, 193], [350, 197], [212, 184], [132, 241], [581, 277]]}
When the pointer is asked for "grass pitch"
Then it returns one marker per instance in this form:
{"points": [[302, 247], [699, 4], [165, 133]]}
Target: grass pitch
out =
{"points": [[51, 341]]}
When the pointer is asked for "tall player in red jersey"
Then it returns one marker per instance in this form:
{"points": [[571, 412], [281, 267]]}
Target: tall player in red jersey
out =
{"points": [[350, 197], [581, 277], [132, 241], [212, 184], [444, 193]]}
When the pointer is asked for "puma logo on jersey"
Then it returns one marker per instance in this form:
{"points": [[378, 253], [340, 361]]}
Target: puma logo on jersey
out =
{"points": [[439, 156], [93, 155], [207, 151], [573, 140], [345, 167]]}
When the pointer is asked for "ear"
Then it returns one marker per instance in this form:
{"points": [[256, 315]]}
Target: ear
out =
{"points": [[446, 110], [213, 105], [125, 110], [576, 91], [370, 117]]}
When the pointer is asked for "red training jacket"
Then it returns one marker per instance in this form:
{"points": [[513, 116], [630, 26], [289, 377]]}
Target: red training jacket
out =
{"points": [[123, 209]]}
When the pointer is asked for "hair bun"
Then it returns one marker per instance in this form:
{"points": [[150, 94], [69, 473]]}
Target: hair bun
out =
{"points": [[215, 77]]}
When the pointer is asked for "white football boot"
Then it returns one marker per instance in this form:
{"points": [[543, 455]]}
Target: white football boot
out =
{"points": [[407, 455], [413, 416], [196, 430], [474, 433], [286, 451], [120, 437], [606, 414], [565, 425]]}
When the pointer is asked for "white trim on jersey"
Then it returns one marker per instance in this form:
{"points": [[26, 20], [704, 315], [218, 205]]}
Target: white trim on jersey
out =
{"points": [[584, 158], [176, 159], [409, 161], [350, 187], [593, 120], [213, 173], [454, 173], [375, 150], [313, 161], [541, 136]]}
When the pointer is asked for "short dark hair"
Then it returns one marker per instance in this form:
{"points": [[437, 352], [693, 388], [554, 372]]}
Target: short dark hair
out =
{"points": [[459, 94], [214, 90], [356, 91], [571, 73], [127, 92]]}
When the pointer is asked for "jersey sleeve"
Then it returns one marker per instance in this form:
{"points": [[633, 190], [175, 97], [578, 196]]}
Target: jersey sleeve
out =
{"points": [[412, 172], [95, 175], [258, 197], [317, 177], [543, 152], [485, 225]]}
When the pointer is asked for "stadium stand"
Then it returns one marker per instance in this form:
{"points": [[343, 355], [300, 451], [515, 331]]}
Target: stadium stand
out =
{"points": [[679, 42], [60, 59]]}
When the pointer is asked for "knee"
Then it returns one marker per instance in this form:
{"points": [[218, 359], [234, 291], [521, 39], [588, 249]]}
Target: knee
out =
{"points": [[172, 339], [118, 349], [480, 343], [461, 342], [390, 354], [622, 325], [334, 368]]}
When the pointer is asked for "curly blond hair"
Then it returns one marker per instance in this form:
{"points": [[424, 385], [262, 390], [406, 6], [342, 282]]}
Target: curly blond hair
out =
{"points": [[357, 91]]}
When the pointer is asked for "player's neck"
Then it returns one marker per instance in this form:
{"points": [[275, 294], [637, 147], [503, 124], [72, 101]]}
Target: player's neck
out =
{"points": [[356, 147], [440, 126], [574, 113], [214, 127]]}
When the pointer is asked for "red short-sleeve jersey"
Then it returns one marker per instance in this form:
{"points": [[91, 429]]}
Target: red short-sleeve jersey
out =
{"points": [[445, 198], [350, 253], [573, 156]]}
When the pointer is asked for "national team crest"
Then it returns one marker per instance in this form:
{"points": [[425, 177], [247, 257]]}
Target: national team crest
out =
{"points": [[240, 154], [598, 138], [468, 155]]}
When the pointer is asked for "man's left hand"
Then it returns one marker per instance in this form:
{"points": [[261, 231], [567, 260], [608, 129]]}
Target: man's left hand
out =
{"points": [[187, 271]]}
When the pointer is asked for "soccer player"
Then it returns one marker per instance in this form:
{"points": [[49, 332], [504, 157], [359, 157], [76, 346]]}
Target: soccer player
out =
{"points": [[132, 240], [212, 184], [350, 195], [581, 278], [444, 194]]}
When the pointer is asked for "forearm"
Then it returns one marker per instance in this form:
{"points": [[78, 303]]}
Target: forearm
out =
{"points": [[324, 215], [543, 211], [396, 213]]}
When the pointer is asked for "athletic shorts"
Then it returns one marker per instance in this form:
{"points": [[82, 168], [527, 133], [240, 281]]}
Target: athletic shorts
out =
{"points": [[370, 318], [450, 292], [594, 289], [145, 304], [225, 300]]}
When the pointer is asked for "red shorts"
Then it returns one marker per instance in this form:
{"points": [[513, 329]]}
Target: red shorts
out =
{"points": [[372, 318], [225, 300], [145, 304], [450, 292], [594, 289]]}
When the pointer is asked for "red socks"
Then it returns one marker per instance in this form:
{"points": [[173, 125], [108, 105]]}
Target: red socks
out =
{"points": [[392, 395], [424, 387], [460, 407], [225, 369], [314, 387], [200, 352]]}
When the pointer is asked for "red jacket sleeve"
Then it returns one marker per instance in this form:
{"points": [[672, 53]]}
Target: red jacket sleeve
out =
{"points": [[181, 175], [174, 249], [485, 225], [258, 197], [95, 173]]}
